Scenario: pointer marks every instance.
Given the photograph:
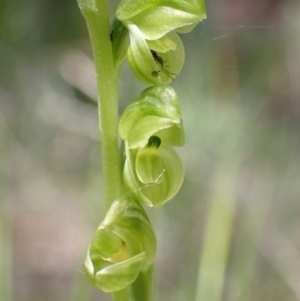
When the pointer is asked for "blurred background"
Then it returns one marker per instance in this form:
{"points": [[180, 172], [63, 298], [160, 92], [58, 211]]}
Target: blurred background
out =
{"points": [[232, 232]]}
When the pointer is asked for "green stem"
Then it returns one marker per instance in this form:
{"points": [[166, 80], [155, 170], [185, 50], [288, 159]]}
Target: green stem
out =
{"points": [[249, 235], [96, 15], [142, 288], [217, 237], [97, 19]]}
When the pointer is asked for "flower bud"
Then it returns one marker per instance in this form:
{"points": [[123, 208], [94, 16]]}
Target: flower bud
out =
{"points": [[123, 246]]}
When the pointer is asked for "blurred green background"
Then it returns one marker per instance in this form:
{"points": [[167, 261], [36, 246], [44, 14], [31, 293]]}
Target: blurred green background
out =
{"points": [[232, 232]]}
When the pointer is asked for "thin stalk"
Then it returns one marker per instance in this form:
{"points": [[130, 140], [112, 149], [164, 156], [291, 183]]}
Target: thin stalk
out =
{"points": [[142, 288], [217, 237], [97, 19], [249, 237]]}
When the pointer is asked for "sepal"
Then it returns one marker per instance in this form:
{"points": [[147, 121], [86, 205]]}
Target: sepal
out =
{"points": [[120, 41], [155, 22]]}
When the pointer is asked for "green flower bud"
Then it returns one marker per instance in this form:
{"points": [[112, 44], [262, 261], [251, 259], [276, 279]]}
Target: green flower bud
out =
{"points": [[155, 112], [154, 174], [123, 246]]}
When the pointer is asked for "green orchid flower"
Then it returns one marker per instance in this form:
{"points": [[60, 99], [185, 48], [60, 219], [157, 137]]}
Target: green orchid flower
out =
{"points": [[156, 53], [124, 245]]}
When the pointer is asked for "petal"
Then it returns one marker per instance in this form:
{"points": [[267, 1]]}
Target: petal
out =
{"points": [[118, 276], [140, 58], [163, 44]]}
